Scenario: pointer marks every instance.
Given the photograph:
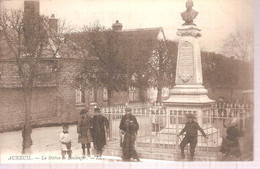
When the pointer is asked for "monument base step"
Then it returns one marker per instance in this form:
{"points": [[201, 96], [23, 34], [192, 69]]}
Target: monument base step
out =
{"points": [[169, 154]]}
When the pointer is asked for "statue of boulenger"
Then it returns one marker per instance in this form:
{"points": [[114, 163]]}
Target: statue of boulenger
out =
{"points": [[189, 14]]}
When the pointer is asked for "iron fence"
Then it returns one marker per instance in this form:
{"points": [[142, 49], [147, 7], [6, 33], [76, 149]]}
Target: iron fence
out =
{"points": [[159, 127]]}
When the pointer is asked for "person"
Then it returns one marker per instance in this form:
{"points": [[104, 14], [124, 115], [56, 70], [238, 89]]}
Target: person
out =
{"points": [[230, 145], [220, 117], [221, 105], [191, 128], [83, 129], [129, 127], [99, 130], [157, 122], [65, 139]]}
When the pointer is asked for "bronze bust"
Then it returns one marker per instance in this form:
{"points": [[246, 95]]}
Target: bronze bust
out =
{"points": [[189, 14]]}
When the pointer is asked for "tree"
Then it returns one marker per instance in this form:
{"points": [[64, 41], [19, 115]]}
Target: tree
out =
{"points": [[122, 59], [226, 73], [106, 69], [138, 51], [163, 66], [239, 45], [33, 46]]}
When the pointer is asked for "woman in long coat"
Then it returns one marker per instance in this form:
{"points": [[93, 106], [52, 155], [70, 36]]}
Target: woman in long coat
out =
{"points": [[83, 128], [100, 128], [230, 145]]}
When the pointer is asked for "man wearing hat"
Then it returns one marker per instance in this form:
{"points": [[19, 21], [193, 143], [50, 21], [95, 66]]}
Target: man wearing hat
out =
{"points": [[99, 130], [129, 127], [191, 128], [83, 129]]}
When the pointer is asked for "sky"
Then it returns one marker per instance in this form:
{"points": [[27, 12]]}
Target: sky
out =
{"points": [[216, 18]]}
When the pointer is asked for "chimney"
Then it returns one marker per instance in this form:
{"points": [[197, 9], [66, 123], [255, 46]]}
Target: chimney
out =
{"points": [[31, 15], [53, 23], [117, 26], [31, 10]]}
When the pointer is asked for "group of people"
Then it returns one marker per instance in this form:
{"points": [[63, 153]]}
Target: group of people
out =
{"points": [[90, 129], [95, 129], [230, 147]]}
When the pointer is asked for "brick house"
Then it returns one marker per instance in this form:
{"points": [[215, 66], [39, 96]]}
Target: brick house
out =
{"points": [[57, 100]]}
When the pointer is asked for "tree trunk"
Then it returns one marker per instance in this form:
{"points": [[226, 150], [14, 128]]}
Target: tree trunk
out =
{"points": [[231, 94], [160, 79], [109, 97], [159, 94], [27, 128]]}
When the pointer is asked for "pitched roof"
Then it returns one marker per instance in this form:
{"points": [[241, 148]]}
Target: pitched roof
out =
{"points": [[68, 49], [144, 33]]}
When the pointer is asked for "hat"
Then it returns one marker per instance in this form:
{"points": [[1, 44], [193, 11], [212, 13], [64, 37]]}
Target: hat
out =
{"points": [[190, 116], [83, 111], [65, 125], [97, 109], [232, 122], [128, 109]]}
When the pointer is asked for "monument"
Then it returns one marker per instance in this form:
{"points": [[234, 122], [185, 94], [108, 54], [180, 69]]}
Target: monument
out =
{"points": [[189, 96], [189, 87]]}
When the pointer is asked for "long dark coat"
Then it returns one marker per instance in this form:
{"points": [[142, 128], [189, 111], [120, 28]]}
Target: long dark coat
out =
{"points": [[130, 127], [129, 124], [230, 144], [83, 128], [99, 122]]}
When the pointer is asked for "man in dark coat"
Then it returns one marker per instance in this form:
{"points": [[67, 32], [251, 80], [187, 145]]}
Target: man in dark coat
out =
{"points": [[83, 130], [99, 130], [129, 127], [191, 128]]}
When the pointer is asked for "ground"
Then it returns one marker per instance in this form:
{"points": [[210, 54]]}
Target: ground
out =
{"points": [[46, 147]]}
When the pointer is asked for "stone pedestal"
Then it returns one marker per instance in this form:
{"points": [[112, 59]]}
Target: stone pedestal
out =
{"points": [[189, 96], [189, 88]]}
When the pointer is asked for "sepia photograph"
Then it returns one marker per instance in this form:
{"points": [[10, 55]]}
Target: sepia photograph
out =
{"points": [[100, 81]]}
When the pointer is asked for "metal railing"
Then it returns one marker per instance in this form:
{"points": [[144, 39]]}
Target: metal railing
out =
{"points": [[159, 127]]}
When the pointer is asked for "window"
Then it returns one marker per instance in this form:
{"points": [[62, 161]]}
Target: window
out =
{"points": [[80, 96], [133, 94], [105, 96], [93, 94]]}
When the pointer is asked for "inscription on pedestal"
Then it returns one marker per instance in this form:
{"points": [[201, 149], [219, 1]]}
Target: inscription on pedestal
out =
{"points": [[186, 70]]}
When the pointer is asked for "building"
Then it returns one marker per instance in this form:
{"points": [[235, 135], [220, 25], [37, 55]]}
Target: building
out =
{"points": [[54, 100], [57, 99]]}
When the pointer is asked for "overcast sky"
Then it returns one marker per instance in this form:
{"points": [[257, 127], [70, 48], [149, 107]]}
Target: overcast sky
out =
{"points": [[216, 19]]}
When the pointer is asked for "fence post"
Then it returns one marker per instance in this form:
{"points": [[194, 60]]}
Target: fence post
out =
{"points": [[151, 130], [110, 127], [177, 129]]}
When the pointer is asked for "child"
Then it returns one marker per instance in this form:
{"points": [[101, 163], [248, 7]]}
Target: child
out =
{"points": [[65, 140], [191, 128], [84, 127]]}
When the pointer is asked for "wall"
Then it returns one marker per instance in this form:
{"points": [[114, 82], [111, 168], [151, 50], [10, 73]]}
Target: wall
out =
{"points": [[119, 98], [44, 107], [50, 104]]}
